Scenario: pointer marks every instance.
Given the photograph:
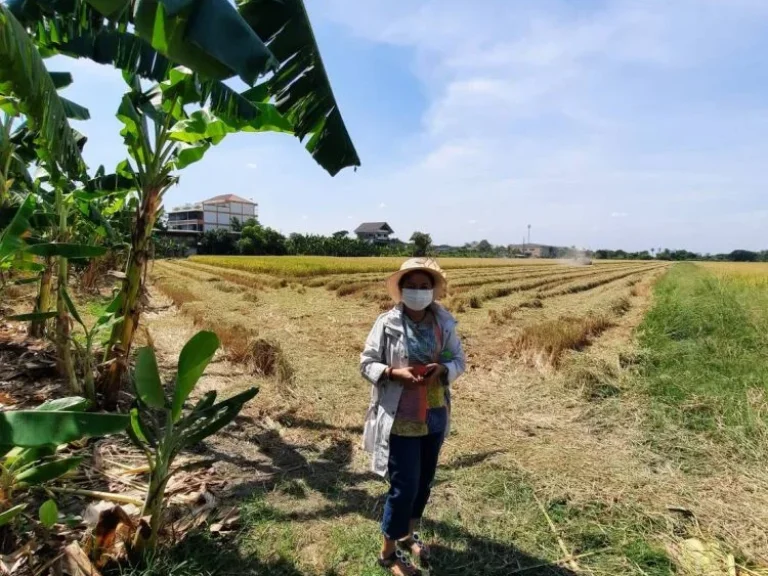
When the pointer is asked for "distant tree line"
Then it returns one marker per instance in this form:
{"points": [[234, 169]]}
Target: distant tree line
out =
{"points": [[255, 239], [679, 255]]}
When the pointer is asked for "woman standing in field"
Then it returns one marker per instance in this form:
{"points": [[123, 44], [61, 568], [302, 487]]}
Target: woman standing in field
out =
{"points": [[411, 357]]}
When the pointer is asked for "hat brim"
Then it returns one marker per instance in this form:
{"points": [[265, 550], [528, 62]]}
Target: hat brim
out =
{"points": [[393, 282]]}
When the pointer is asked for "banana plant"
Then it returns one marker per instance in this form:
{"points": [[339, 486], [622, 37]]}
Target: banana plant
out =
{"points": [[29, 440], [22, 149], [59, 208], [62, 251], [162, 428], [21, 146], [85, 350], [162, 137]]}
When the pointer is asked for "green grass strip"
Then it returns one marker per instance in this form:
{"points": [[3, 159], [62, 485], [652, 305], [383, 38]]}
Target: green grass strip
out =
{"points": [[706, 357]]}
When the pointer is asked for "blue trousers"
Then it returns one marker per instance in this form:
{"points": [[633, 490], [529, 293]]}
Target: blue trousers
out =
{"points": [[412, 465]]}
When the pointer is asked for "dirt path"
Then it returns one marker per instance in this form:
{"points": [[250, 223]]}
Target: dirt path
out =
{"points": [[521, 434]]}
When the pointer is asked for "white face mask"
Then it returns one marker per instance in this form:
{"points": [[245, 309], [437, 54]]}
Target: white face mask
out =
{"points": [[417, 299]]}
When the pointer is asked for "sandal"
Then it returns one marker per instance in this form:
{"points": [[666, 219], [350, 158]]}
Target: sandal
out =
{"points": [[416, 546], [399, 560]]}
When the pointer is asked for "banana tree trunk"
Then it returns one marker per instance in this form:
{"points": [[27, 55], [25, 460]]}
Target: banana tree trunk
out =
{"points": [[153, 507], [63, 350], [87, 365], [132, 290], [43, 301]]}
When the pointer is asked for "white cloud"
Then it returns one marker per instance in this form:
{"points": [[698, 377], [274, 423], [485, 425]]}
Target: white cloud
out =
{"points": [[252, 165], [382, 206], [472, 222], [619, 214]]}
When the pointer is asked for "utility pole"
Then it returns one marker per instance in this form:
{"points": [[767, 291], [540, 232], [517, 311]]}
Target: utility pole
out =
{"points": [[529, 233]]}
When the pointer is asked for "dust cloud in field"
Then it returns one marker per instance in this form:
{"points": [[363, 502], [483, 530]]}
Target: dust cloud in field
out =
{"points": [[578, 258]]}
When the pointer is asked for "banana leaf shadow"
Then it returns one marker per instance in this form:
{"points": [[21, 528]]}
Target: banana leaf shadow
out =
{"points": [[201, 554]]}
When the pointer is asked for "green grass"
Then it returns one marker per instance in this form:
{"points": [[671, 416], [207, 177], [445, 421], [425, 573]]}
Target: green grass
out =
{"points": [[484, 520], [201, 554], [97, 306], [705, 361]]}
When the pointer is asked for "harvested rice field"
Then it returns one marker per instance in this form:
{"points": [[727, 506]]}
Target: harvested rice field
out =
{"points": [[562, 459]]}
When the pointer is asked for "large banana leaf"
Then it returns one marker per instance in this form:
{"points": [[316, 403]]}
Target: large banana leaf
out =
{"points": [[301, 86], [134, 56], [74, 111], [212, 419], [47, 471], [194, 358], [30, 428], [64, 250], [208, 36], [23, 74], [12, 237], [149, 387], [78, 30]]}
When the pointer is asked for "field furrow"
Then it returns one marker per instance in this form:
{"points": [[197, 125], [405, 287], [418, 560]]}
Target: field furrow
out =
{"points": [[476, 298]]}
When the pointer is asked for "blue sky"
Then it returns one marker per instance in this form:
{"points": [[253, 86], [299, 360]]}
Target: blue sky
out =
{"points": [[624, 123]]}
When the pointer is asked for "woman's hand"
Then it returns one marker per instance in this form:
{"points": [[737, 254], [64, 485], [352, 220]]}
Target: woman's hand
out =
{"points": [[434, 372], [406, 376]]}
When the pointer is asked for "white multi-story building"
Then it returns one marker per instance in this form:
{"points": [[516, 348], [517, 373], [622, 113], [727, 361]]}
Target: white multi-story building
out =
{"points": [[214, 213]]}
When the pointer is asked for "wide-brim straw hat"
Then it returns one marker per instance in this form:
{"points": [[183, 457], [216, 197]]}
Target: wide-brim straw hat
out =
{"points": [[428, 265]]}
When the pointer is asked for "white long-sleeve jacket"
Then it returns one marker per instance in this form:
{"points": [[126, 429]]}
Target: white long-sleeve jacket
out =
{"points": [[386, 346]]}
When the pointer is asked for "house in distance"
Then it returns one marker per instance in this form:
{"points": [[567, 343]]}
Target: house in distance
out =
{"points": [[212, 214], [374, 232]]}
